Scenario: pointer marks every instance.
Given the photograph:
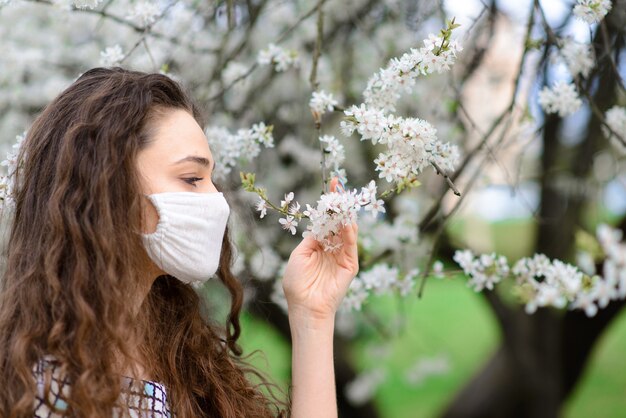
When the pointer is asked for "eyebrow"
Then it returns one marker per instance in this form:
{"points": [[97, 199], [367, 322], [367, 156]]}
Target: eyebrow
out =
{"points": [[194, 159]]}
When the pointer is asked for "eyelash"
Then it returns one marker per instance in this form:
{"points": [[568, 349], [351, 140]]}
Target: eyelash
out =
{"points": [[193, 180]]}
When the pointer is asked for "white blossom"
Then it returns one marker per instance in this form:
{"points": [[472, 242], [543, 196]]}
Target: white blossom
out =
{"points": [[111, 56], [412, 143], [335, 152], [586, 302], [281, 58], [437, 269], [578, 57], [264, 263], [585, 262], [380, 279], [230, 149], [356, 295], [541, 282], [335, 210], [485, 270], [145, 13], [287, 201], [592, 11], [289, 223], [364, 386], [426, 367], [7, 181], [384, 88], [321, 102], [278, 295], [262, 207], [615, 118], [562, 98], [234, 71]]}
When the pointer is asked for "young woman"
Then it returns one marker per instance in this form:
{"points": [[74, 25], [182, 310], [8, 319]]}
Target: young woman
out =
{"points": [[115, 218]]}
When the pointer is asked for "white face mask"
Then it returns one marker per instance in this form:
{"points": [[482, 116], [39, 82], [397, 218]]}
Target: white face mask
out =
{"points": [[188, 237]]}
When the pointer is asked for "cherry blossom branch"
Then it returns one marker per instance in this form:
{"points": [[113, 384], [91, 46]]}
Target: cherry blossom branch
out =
{"points": [[137, 28], [278, 40], [469, 156]]}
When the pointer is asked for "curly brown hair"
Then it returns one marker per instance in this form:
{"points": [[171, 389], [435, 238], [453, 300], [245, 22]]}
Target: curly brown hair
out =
{"points": [[72, 260]]}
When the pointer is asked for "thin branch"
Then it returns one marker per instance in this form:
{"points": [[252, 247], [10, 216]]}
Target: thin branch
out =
{"points": [[443, 173], [139, 29], [278, 40], [314, 86]]}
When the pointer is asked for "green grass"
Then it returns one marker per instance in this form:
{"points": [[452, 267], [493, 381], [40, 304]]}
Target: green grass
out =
{"points": [[451, 320], [602, 389]]}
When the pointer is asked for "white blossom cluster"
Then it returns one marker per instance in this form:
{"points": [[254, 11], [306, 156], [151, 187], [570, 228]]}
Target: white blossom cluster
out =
{"points": [[412, 143], [541, 282], [578, 57], [281, 58], [547, 283], [426, 367], [7, 181], [335, 210], [381, 279], [384, 88], [364, 386], [561, 98], [335, 154], [234, 71], [322, 102], [265, 263], [377, 237], [615, 118], [485, 270], [614, 266], [144, 13], [230, 149], [111, 56], [592, 11]]}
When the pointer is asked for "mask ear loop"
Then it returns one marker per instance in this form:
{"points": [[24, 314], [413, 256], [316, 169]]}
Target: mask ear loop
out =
{"points": [[160, 236]]}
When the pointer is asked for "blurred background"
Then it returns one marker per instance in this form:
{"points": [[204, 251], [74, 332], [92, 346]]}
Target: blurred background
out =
{"points": [[530, 182]]}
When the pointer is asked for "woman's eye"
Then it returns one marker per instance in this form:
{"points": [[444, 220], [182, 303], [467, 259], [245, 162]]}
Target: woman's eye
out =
{"points": [[192, 180]]}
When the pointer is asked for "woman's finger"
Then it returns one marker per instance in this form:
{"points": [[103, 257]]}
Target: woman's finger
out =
{"points": [[333, 184]]}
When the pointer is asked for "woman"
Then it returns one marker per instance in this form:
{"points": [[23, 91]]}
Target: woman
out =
{"points": [[115, 219]]}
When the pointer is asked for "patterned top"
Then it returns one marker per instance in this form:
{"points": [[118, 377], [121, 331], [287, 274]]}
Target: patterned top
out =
{"points": [[146, 399]]}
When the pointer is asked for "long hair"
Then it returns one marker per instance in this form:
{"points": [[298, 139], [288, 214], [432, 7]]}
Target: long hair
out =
{"points": [[72, 265]]}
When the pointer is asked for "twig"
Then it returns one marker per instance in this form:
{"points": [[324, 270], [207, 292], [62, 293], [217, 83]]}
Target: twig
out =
{"points": [[139, 29], [442, 173], [315, 84], [278, 40]]}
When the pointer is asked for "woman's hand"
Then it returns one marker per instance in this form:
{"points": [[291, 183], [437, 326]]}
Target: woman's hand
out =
{"points": [[315, 281]]}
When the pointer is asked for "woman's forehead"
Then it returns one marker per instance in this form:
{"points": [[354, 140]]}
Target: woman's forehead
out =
{"points": [[177, 135]]}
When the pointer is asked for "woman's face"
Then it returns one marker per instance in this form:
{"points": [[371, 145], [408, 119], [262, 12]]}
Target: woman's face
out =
{"points": [[177, 159]]}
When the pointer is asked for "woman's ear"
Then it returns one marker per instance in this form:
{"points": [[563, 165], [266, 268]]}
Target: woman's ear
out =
{"points": [[149, 215]]}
